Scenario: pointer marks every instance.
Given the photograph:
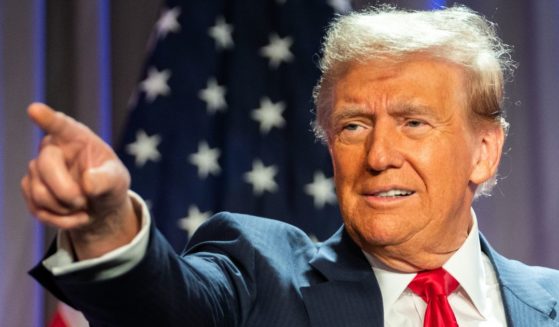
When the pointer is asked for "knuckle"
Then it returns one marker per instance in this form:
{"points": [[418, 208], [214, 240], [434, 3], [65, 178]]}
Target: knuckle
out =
{"points": [[24, 184], [32, 166], [40, 195], [48, 152], [26, 195], [47, 140]]}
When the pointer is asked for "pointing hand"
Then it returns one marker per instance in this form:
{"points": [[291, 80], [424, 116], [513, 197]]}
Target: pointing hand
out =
{"points": [[77, 183]]}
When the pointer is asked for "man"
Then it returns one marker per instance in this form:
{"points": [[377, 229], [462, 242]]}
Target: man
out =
{"points": [[409, 105]]}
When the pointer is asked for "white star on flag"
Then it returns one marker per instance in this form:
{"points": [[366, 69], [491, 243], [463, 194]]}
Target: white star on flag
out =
{"points": [[340, 6], [322, 190], [277, 51], [205, 160], [262, 178], [155, 83], [194, 219], [214, 96], [144, 148], [221, 33], [168, 22], [269, 115]]}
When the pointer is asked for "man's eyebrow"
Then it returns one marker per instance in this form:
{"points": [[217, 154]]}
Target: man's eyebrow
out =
{"points": [[401, 109], [351, 112], [408, 109]]}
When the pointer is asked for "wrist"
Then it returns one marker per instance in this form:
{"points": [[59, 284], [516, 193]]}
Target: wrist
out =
{"points": [[107, 233]]}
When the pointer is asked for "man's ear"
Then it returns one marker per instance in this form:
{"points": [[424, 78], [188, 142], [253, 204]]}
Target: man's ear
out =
{"points": [[489, 154]]}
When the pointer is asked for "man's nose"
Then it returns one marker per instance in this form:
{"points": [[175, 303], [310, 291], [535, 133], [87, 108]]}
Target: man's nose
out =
{"points": [[384, 149]]}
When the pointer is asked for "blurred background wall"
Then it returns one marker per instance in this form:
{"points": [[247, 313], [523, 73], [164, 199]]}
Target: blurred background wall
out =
{"points": [[84, 57]]}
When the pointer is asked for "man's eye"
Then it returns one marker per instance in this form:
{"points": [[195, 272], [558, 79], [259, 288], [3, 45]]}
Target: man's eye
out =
{"points": [[352, 133], [351, 127], [414, 123]]}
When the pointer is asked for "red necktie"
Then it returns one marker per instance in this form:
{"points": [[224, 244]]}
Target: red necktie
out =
{"points": [[433, 286]]}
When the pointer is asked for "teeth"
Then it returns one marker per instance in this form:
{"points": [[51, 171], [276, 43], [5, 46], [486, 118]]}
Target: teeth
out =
{"points": [[394, 193]]}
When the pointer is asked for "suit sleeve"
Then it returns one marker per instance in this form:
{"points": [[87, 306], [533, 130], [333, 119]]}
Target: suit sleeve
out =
{"points": [[212, 285]]}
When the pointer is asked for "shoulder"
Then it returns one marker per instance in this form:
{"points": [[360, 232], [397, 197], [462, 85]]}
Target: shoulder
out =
{"points": [[226, 224], [517, 272], [249, 233], [525, 279], [520, 277]]}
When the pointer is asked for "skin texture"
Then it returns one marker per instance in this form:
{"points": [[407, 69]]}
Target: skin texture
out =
{"points": [[76, 183], [404, 126]]}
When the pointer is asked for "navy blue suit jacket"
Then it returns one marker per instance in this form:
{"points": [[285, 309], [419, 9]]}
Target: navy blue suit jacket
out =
{"points": [[244, 271]]}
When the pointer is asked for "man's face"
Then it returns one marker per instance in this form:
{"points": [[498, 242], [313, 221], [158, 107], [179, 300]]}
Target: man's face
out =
{"points": [[406, 159]]}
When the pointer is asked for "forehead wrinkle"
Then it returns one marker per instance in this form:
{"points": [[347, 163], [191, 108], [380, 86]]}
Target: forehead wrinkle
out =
{"points": [[360, 105], [399, 108]]}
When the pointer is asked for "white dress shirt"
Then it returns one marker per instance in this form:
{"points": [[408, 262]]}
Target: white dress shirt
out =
{"points": [[476, 302]]}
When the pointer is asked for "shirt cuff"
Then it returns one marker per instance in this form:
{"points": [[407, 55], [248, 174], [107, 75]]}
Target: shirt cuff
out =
{"points": [[111, 264]]}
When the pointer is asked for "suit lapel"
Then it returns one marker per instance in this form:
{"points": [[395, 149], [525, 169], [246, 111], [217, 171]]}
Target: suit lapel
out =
{"points": [[527, 303], [350, 296]]}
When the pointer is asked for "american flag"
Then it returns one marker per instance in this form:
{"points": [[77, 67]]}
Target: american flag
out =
{"points": [[221, 118]]}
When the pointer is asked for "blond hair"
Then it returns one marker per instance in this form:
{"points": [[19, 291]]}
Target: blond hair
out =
{"points": [[457, 34]]}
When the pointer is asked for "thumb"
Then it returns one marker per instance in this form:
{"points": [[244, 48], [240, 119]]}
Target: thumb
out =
{"points": [[109, 179]]}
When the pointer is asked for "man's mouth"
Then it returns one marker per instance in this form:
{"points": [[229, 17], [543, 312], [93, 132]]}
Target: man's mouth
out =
{"points": [[393, 193]]}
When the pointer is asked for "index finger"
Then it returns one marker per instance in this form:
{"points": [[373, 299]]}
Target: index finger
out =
{"points": [[54, 123]]}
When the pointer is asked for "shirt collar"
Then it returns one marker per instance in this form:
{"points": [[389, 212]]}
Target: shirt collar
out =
{"points": [[465, 265]]}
